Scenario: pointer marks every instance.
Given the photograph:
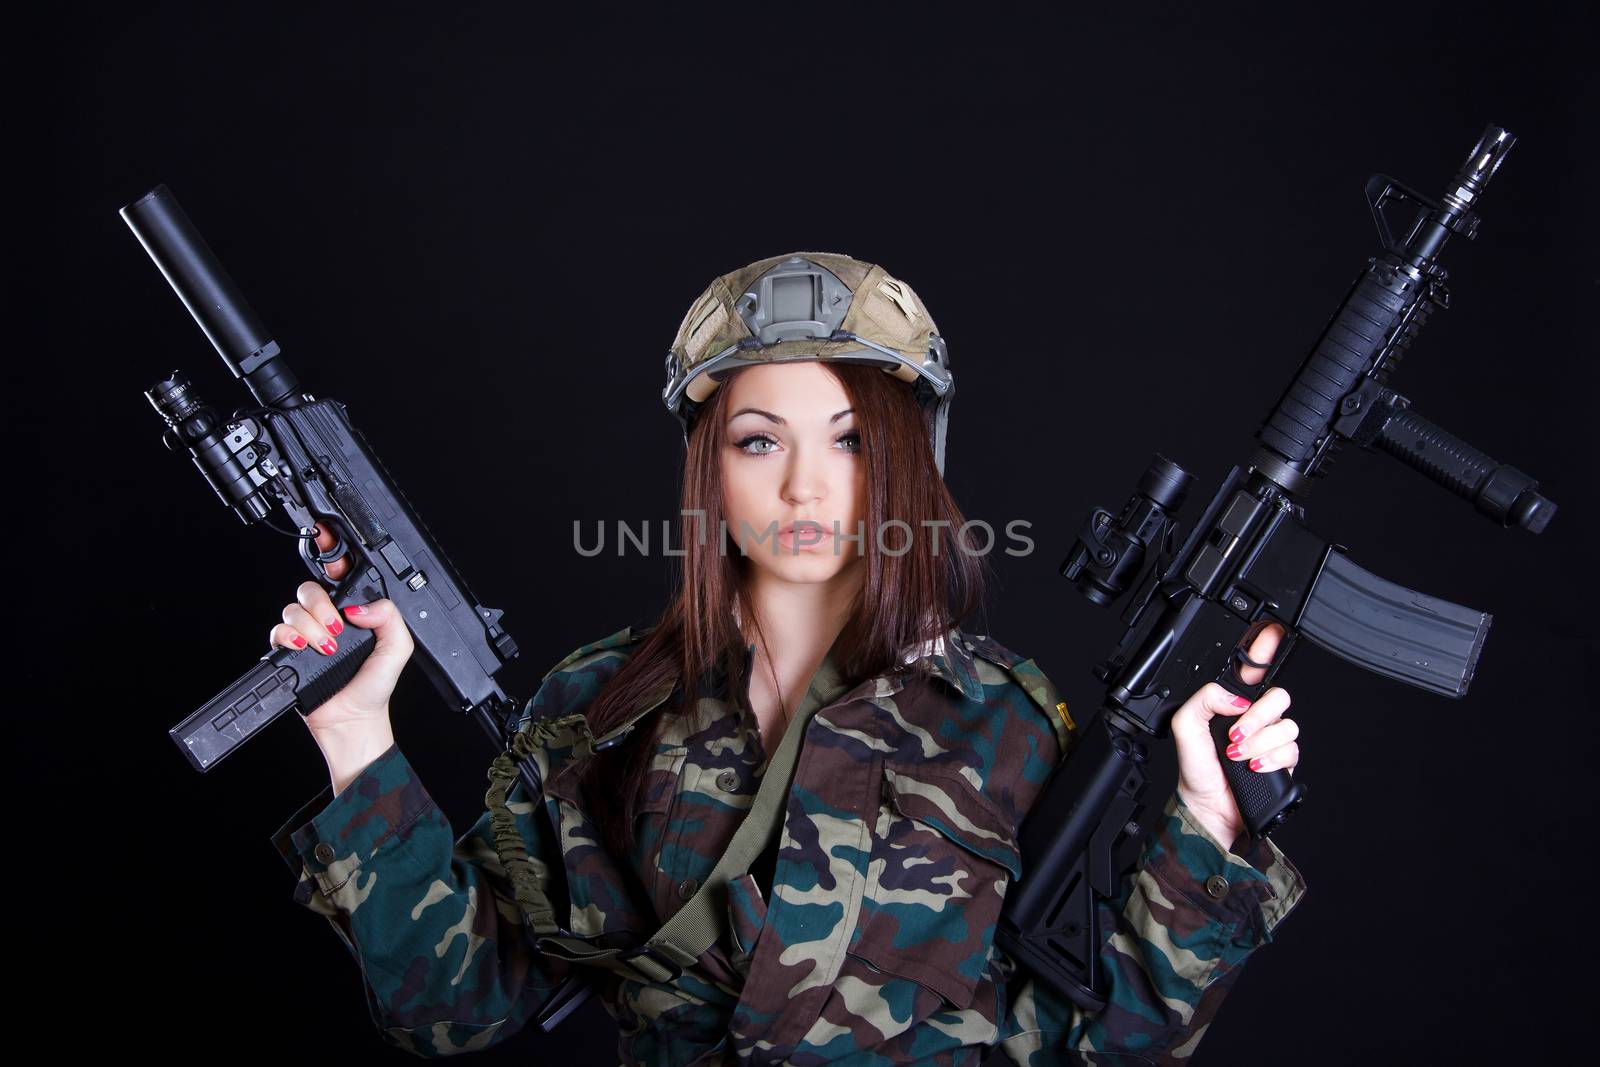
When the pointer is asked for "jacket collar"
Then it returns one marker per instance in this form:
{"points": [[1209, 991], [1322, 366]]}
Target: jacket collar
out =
{"points": [[949, 656]]}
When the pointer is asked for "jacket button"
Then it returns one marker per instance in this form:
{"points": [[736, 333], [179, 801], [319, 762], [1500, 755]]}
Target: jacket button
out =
{"points": [[728, 781], [686, 888], [323, 852], [1217, 886]]}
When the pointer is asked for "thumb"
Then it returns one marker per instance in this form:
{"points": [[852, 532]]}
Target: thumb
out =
{"points": [[1200, 773], [369, 691], [382, 617], [1193, 719]]}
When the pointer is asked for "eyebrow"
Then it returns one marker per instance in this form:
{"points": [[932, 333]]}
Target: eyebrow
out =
{"points": [[778, 419]]}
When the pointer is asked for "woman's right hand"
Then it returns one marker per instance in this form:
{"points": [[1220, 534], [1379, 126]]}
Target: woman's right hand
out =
{"points": [[313, 622]]}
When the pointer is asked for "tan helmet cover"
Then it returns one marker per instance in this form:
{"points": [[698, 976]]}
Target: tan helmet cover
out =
{"points": [[884, 323]]}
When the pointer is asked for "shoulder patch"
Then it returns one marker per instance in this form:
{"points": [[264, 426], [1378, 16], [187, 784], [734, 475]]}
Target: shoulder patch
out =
{"points": [[622, 638], [1040, 689]]}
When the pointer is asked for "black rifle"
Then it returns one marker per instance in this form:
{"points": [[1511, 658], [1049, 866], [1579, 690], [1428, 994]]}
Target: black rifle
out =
{"points": [[298, 455], [1252, 562]]}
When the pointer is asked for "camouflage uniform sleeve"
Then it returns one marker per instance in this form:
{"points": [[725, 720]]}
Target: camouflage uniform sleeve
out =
{"points": [[431, 921], [1172, 949]]}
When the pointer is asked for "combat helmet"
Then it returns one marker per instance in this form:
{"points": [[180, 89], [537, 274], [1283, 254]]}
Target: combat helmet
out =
{"points": [[810, 306]]}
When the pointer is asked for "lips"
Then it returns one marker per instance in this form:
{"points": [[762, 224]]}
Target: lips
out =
{"points": [[803, 533]]}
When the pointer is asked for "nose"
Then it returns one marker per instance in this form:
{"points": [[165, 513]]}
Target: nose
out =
{"points": [[804, 480]]}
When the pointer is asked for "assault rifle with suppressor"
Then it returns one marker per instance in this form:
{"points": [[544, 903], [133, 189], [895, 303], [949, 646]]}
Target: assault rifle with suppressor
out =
{"points": [[296, 459]]}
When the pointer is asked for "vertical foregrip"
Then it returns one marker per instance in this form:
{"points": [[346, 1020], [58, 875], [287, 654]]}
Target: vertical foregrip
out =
{"points": [[1499, 490], [1437, 453]]}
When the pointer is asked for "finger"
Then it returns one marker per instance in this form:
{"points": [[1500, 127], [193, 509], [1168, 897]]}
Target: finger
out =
{"points": [[285, 636], [1269, 707], [314, 599], [1277, 759], [315, 633], [1262, 648], [1264, 740], [326, 540]]}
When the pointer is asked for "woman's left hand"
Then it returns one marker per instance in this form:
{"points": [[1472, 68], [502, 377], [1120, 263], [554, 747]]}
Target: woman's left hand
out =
{"points": [[1262, 735]]}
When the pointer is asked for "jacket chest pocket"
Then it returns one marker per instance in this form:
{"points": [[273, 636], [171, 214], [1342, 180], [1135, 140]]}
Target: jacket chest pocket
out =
{"points": [[608, 896], [941, 859], [654, 834]]}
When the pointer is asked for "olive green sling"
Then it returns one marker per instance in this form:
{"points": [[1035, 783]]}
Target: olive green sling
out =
{"points": [[695, 926]]}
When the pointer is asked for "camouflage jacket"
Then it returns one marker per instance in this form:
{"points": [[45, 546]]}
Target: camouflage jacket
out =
{"points": [[876, 942]]}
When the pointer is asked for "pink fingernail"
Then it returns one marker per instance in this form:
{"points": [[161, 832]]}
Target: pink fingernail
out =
{"points": [[1236, 734], [1255, 764], [299, 641], [334, 626], [1241, 702], [354, 609], [329, 646]]}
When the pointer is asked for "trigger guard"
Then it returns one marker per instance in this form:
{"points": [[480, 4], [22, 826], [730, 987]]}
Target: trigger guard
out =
{"points": [[333, 553], [317, 561], [1239, 656]]}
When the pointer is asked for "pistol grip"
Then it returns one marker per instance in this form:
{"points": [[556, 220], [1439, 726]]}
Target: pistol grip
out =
{"points": [[1265, 798], [282, 679]]}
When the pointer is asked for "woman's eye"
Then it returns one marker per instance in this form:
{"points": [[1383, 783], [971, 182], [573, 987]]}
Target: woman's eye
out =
{"points": [[851, 442], [755, 438]]}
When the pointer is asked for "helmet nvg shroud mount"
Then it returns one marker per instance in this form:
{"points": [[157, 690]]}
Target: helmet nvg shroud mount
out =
{"points": [[810, 306]]}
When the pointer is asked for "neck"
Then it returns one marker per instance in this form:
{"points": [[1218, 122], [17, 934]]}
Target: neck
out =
{"points": [[799, 622], [805, 615]]}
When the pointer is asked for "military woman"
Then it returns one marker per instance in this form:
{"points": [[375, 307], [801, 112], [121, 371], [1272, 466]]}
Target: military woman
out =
{"points": [[816, 633]]}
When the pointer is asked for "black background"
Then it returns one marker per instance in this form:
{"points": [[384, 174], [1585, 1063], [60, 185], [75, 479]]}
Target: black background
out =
{"points": [[480, 231]]}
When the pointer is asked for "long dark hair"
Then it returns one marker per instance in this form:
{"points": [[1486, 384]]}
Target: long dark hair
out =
{"points": [[904, 599]]}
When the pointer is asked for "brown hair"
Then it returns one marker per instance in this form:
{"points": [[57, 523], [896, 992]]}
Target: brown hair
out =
{"points": [[905, 599]]}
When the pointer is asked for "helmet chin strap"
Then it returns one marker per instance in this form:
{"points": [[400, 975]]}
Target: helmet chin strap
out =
{"points": [[941, 423]]}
